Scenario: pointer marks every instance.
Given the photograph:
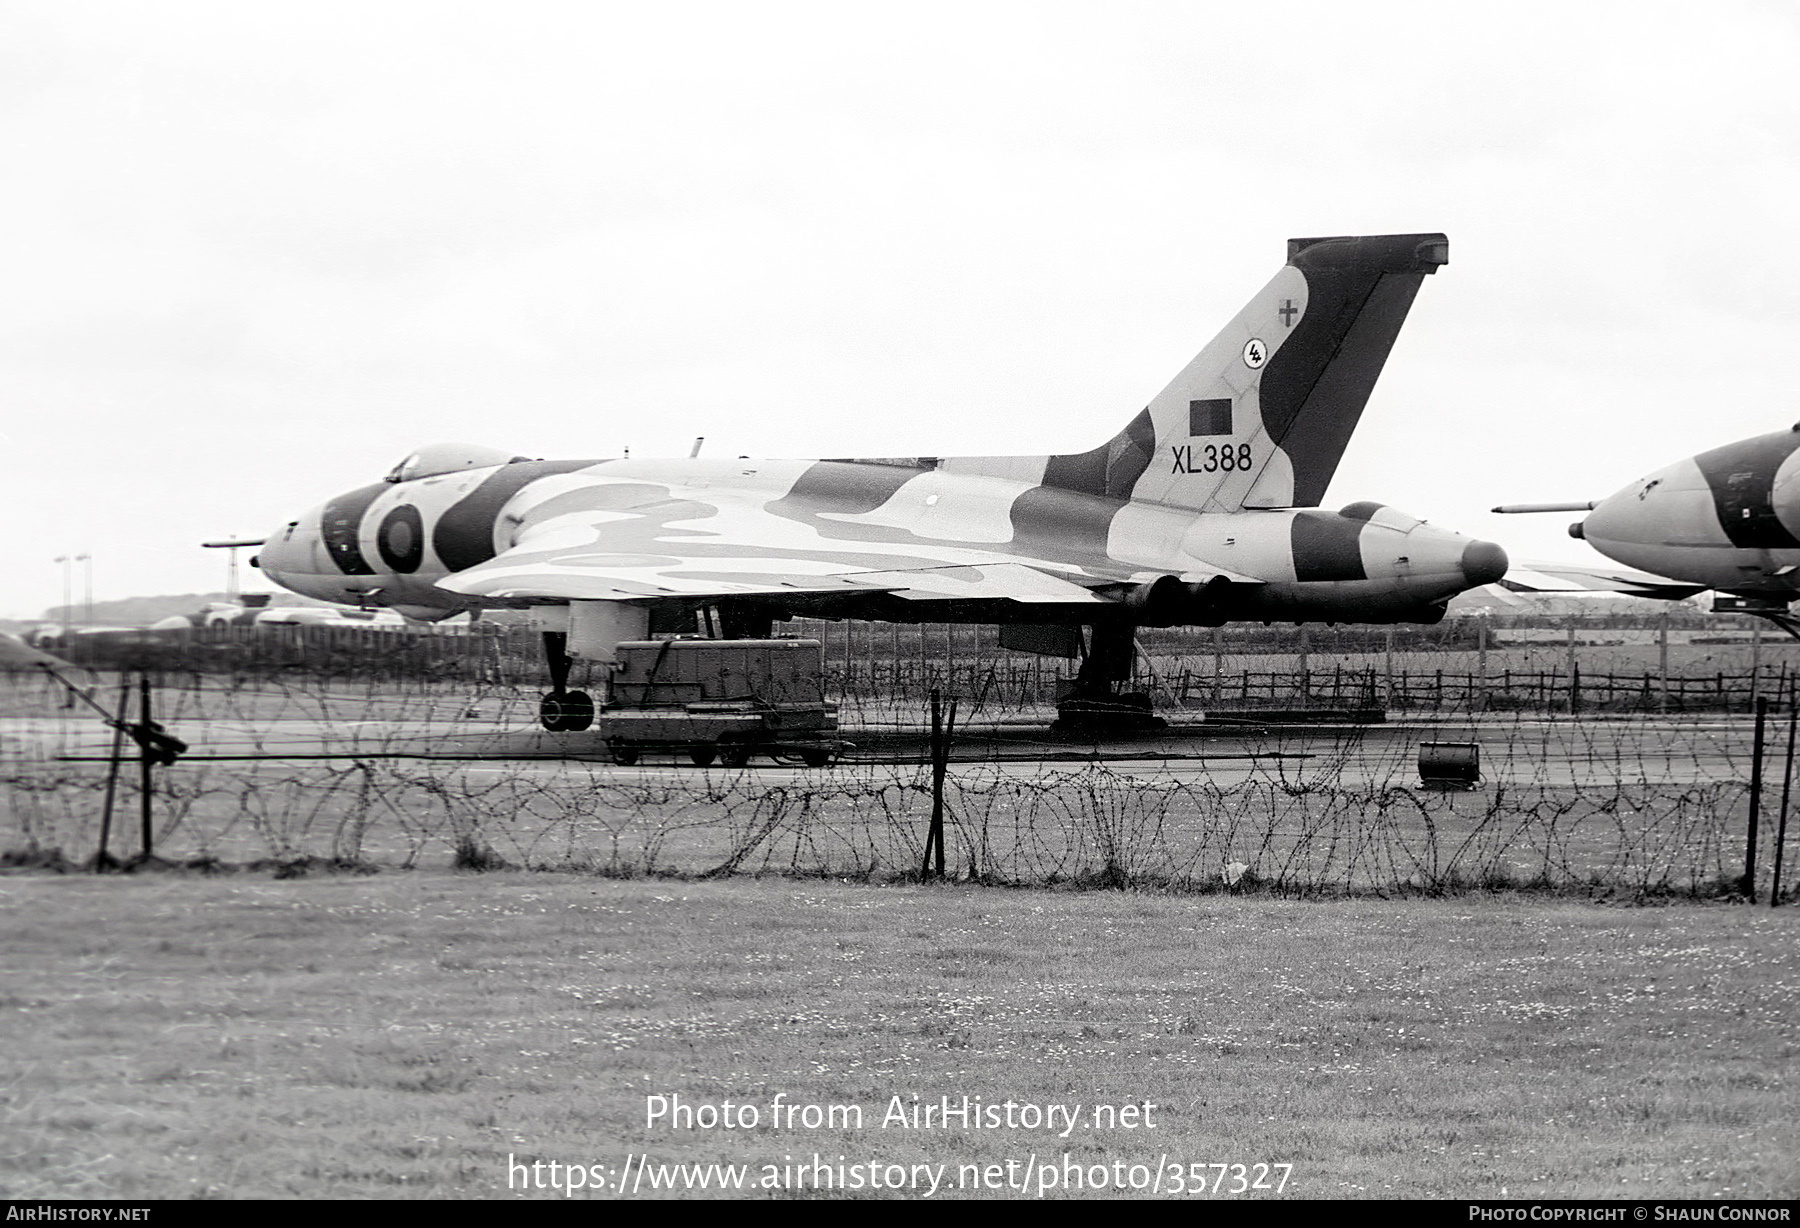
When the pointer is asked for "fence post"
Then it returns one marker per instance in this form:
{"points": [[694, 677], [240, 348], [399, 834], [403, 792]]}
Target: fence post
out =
{"points": [[941, 732], [1481, 632], [1756, 663], [1787, 776], [1755, 805], [1388, 664], [1662, 652], [1572, 683], [145, 765], [1756, 760], [103, 861], [846, 687]]}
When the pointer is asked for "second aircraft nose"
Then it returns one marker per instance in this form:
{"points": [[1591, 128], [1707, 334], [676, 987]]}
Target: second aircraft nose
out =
{"points": [[1483, 563]]}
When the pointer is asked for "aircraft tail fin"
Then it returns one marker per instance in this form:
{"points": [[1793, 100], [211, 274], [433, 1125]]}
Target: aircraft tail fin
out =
{"points": [[1262, 415]]}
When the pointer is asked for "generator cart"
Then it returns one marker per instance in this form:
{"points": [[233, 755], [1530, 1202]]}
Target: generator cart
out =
{"points": [[723, 699]]}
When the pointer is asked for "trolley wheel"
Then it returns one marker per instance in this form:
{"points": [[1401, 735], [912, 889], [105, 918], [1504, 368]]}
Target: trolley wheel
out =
{"points": [[734, 755], [702, 753], [623, 753], [815, 756]]}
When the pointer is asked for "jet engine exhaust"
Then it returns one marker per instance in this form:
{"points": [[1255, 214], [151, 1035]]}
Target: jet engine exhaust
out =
{"points": [[1168, 601]]}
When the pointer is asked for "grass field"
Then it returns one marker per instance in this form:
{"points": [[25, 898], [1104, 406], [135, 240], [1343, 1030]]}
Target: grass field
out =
{"points": [[405, 1034]]}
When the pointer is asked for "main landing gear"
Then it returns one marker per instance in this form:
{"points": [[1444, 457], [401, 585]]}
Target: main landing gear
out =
{"points": [[563, 710], [1096, 706]]}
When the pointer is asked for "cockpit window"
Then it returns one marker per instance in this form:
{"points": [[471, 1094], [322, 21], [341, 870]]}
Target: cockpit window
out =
{"points": [[442, 458]]}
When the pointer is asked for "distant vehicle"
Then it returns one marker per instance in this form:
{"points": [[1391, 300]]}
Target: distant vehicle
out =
{"points": [[1727, 519], [254, 611], [225, 614], [1203, 509], [51, 636], [322, 616]]}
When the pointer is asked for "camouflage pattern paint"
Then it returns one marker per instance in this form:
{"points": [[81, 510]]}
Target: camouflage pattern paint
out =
{"points": [[1203, 507], [1726, 519]]}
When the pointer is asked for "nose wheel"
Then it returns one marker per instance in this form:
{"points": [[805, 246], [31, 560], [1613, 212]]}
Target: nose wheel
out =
{"points": [[568, 712]]}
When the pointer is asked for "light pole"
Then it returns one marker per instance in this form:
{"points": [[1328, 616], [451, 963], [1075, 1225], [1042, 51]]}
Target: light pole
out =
{"points": [[87, 588], [67, 561], [231, 572]]}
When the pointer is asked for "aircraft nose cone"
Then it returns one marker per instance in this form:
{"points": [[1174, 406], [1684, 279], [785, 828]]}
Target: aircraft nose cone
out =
{"points": [[1483, 563]]}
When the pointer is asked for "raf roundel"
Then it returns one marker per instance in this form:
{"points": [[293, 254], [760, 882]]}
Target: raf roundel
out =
{"points": [[1255, 353], [401, 539]]}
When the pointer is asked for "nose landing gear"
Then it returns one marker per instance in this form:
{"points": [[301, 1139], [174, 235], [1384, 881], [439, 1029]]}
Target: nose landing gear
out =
{"points": [[570, 712], [563, 710]]}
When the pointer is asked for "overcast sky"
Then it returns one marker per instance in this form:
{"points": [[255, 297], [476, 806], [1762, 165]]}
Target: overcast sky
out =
{"points": [[254, 253]]}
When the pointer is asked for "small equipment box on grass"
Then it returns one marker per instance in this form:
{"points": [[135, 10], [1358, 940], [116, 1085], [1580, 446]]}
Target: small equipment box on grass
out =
{"points": [[724, 699]]}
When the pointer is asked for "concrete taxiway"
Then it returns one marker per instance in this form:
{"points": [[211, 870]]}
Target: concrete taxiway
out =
{"points": [[1555, 751]]}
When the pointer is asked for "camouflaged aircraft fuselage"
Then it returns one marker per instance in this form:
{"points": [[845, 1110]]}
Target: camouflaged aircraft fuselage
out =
{"points": [[1726, 519], [1202, 509]]}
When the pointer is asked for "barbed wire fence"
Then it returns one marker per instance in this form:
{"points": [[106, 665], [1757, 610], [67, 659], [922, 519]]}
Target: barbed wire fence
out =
{"points": [[1588, 789]]}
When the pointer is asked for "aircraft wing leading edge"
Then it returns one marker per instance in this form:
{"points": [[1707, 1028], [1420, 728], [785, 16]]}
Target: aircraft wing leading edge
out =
{"points": [[1531, 577]]}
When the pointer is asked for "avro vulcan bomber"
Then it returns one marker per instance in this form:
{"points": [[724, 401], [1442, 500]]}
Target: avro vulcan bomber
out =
{"points": [[1727, 519], [1202, 509]]}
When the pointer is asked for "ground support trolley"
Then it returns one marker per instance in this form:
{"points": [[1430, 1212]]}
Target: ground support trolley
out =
{"points": [[720, 699]]}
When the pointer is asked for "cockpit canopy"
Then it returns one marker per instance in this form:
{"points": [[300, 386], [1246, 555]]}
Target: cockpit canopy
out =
{"points": [[1381, 514], [449, 458]]}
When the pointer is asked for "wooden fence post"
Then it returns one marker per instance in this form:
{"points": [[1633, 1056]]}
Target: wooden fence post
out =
{"points": [[103, 860], [1662, 652], [1787, 776], [1388, 665]]}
